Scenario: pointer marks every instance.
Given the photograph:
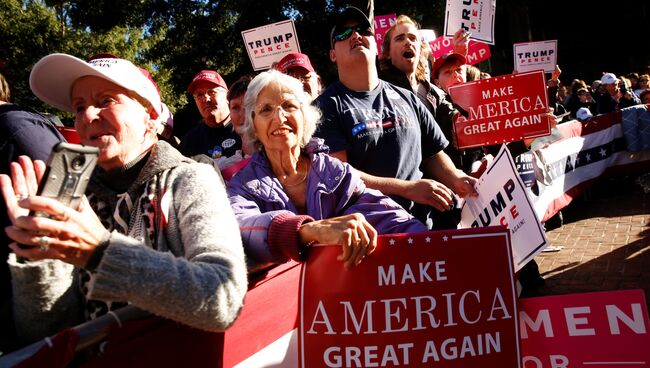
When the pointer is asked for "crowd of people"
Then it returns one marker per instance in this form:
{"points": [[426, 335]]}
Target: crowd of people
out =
{"points": [[291, 163]]}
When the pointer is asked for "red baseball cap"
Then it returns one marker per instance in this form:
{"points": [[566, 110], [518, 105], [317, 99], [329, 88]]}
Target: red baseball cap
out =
{"points": [[446, 58], [208, 76], [294, 60]]}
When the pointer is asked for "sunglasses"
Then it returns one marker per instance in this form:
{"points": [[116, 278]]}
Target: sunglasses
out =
{"points": [[345, 33]]}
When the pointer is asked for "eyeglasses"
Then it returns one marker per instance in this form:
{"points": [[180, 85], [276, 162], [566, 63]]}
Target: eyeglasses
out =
{"points": [[288, 107], [212, 93], [345, 33]]}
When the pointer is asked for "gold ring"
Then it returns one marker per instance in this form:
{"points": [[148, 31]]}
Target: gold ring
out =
{"points": [[64, 216], [44, 243]]}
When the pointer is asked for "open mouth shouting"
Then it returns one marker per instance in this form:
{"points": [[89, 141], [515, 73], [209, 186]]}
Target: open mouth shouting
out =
{"points": [[408, 54]]}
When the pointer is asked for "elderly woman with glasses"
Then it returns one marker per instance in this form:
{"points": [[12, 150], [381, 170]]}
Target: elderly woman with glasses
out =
{"points": [[293, 194]]}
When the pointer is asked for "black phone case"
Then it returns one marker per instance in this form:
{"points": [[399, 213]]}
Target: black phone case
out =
{"points": [[68, 173]]}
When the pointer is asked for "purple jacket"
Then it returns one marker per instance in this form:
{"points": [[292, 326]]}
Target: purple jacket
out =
{"points": [[269, 222]]}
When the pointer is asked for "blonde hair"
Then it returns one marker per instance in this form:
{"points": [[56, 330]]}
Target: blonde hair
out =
{"points": [[422, 66], [5, 92]]}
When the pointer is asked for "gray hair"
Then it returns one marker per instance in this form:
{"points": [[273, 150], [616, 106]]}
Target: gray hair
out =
{"points": [[285, 84]]}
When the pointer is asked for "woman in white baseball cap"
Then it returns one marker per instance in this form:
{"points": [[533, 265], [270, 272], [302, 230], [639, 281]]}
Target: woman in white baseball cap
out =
{"points": [[156, 230]]}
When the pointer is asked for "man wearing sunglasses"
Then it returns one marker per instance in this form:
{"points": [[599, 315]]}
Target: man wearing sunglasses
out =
{"points": [[215, 135], [383, 130]]}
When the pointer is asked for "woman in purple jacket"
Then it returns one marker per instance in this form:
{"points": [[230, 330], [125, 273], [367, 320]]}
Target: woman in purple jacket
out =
{"points": [[293, 194]]}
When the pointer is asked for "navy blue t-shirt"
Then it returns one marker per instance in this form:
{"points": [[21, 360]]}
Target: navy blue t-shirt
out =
{"points": [[213, 142], [386, 132], [22, 132]]}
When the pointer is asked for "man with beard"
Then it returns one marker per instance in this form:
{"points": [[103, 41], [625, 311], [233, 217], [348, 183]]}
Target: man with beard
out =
{"points": [[383, 130], [215, 135]]}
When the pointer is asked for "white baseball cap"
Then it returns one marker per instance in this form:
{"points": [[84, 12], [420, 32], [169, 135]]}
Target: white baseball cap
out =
{"points": [[52, 78], [608, 78], [584, 113]]}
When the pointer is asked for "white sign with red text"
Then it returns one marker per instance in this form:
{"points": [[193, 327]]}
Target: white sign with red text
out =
{"points": [[428, 35], [475, 16], [502, 200], [535, 55], [268, 44]]}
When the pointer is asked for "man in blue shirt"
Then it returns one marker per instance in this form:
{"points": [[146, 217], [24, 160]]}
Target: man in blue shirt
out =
{"points": [[384, 131]]}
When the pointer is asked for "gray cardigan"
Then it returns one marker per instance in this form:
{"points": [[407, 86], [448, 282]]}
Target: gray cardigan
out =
{"points": [[195, 272]]}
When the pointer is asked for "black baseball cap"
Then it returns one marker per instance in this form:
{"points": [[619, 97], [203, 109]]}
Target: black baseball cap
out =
{"points": [[347, 14]]}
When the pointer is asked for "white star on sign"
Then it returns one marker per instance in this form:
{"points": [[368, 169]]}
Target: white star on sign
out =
{"points": [[391, 242], [427, 239], [445, 238], [603, 152], [410, 241]]}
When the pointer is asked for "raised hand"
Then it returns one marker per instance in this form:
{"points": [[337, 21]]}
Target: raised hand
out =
{"points": [[460, 42], [70, 235]]}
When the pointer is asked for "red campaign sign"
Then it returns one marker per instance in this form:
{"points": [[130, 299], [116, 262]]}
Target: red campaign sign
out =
{"points": [[382, 24], [437, 299], [267, 321], [605, 329], [476, 51], [501, 109], [70, 134]]}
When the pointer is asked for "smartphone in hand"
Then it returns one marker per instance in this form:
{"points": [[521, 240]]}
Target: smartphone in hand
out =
{"points": [[68, 172]]}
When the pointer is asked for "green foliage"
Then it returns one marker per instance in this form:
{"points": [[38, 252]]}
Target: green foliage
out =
{"points": [[25, 30], [174, 39], [30, 30]]}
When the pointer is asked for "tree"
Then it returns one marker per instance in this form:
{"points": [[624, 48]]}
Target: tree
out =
{"points": [[175, 39], [30, 30]]}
